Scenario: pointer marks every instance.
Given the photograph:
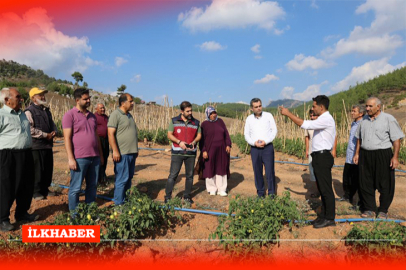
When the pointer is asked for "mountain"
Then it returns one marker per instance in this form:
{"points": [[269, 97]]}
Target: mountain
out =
{"points": [[288, 103]]}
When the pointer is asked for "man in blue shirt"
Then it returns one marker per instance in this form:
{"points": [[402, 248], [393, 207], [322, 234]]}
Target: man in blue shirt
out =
{"points": [[350, 174]]}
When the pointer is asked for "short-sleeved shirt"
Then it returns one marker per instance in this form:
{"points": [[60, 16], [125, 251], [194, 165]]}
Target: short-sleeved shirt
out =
{"points": [[378, 133], [126, 131], [309, 133], [102, 125], [84, 136], [14, 129]]}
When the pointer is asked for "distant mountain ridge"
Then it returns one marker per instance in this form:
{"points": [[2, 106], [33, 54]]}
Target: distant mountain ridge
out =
{"points": [[288, 103]]}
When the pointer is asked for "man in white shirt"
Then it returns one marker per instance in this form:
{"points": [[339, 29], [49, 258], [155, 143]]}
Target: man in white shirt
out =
{"points": [[322, 144], [260, 130]]}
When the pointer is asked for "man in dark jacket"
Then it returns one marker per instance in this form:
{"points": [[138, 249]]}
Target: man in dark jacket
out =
{"points": [[43, 130]]}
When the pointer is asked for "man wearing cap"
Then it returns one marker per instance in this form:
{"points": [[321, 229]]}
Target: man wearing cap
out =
{"points": [[16, 162], [43, 130]]}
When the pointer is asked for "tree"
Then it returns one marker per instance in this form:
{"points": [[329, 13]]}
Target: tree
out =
{"points": [[137, 100], [121, 90], [85, 85], [78, 77]]}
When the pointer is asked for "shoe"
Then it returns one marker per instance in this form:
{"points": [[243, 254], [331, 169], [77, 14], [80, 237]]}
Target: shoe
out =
{"points": [[188, 200], [382, 215], [212, 193], [5, 226], [315, 195], [166, 200], [368, 214], [38, 197], [343, 199], [223, 194], [317, 220], [324, 223], [28, 217]]}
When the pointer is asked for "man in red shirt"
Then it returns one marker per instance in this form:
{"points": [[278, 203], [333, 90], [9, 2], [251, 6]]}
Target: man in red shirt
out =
{"points": [[102, 120]]}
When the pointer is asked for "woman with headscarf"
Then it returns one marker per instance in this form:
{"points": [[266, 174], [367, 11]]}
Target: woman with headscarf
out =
{"points": [[215, 146]]}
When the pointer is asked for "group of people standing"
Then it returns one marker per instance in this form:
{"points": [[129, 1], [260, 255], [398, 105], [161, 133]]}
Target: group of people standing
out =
{"points": [[26, 157]]}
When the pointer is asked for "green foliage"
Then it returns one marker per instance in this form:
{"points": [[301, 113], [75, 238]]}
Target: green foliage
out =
{"points": [[294, 147], [376, 237], [159, 136], [254, 222], [77, 76], [242, 144], [137, 100], [121, 89], [62, 89]]}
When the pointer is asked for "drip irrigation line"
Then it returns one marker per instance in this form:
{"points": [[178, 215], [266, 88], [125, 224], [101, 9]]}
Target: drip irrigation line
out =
{"points": [[277, 161], [196, 211]]}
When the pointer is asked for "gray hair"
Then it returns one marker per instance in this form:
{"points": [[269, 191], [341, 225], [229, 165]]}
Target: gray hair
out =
{"points": [[254, 100], [4, 93], [377, 100], [360, 108]]}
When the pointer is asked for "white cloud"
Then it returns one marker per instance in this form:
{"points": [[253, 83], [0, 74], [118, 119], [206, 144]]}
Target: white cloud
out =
{"points": [[242, 102], [267, 79], [255, 48], [120, 61], [232, 14], [330, 37], [136, 78], [220, 96], [377, 39], [258, 57], [33, 40], [301, 62], [310, 92], [363, 73], [161, 99], [211, 46], [281, 31], [287, 92], [314, 5]]}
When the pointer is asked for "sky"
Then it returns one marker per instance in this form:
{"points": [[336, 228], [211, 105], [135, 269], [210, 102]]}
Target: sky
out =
{"points": [[208, 51]]}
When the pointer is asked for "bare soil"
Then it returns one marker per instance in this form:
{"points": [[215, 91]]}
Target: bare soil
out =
{"points": [[191, 236]]}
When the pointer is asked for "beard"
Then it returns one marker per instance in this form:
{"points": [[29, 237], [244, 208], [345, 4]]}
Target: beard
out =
{"points": [[41, 102]]}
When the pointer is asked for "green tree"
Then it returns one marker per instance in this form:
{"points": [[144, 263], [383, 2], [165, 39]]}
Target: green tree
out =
{"points": [[85, 85], [121, 89], [78, 77], [137, 100]]}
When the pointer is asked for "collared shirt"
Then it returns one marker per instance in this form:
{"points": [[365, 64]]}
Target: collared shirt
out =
{"points": [[378, 133], [14, 129], [261, 128], [126, 131], [102, 121], [324, 131], [352, 142], [84, 136]]}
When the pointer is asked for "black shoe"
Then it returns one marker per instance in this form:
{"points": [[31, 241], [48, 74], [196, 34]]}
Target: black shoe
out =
{"points": [[38, 196], [324, 223], [188, 200], [317, 220], [5, 226], [167, 200], [343, 199], [28, 217]]}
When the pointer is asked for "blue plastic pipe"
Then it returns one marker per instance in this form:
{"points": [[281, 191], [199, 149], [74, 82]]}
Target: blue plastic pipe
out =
{"points": [[343, 220]]}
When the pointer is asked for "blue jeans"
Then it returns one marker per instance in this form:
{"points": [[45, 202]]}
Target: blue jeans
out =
{"points": [[124, 171], [88, 169]]}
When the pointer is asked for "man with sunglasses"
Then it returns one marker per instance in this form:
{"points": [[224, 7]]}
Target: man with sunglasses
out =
{"points": [[16, 162]]}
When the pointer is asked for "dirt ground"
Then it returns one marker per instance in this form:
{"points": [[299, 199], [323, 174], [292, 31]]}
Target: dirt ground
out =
{"points": [[191, 237]]}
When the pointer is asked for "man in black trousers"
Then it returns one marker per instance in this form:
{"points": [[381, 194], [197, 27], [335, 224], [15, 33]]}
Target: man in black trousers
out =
{"points": [[16, 182], [43, 131], [322, 144]]}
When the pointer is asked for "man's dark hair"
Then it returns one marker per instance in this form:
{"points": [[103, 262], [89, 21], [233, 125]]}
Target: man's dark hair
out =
{"points": [[184, 105], [123, 98], [254, 100], [322, 100], [80, 92]]}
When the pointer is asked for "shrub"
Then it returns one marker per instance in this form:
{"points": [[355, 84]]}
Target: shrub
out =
{"points": [[241, 143]]}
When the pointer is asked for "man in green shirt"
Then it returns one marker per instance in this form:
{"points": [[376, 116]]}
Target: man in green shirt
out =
{"points": [[16, 162], [123, 139]]}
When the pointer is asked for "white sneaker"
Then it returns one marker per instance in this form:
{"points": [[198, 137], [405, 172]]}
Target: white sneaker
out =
{"points": [[223, 194], [212, 193]]}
